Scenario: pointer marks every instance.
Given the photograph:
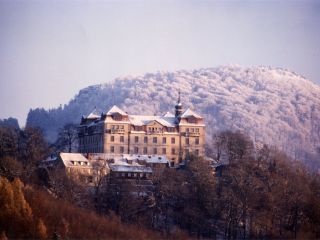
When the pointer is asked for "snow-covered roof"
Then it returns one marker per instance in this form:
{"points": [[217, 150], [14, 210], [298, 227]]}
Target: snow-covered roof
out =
{"points": [[77, 160], [72, 156], [156, 159], [74, 159], [130, 168], [167, 120], [93, 115], [168, 114], [146, 158], [122, 159], [101, 156], [140, 120], [116, 109], [188, 113]]}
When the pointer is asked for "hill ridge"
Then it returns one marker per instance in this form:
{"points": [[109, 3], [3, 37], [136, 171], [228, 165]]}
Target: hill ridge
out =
{"points": [[272, 105]]}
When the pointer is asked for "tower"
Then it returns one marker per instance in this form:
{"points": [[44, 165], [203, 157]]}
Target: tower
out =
{"points": [[178, 107]]}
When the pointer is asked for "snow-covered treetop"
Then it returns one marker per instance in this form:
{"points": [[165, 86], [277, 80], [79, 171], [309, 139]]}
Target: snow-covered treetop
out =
{"points": [[272, 105]]}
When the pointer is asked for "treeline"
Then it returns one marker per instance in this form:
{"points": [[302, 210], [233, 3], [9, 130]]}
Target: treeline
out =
{"points": [[251, 193], [258, 194], [34, 209], [30, 213], [20, 152]]}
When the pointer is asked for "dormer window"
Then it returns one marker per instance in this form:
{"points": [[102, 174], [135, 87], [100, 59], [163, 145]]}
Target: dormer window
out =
{"points": [[192, 120], [117, 117]]}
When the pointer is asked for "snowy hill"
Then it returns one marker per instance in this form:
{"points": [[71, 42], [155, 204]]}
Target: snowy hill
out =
{"points": [[271, 105]]}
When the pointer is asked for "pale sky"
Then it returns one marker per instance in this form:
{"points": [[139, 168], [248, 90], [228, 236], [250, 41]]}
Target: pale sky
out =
{"points": [[49, 50]]}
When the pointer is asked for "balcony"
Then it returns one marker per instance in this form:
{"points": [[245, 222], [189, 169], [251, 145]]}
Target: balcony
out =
{"points": [[192, 134], [121, 131]]}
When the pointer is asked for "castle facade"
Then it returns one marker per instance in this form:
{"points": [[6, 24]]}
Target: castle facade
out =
{"points": [[116, 132]]}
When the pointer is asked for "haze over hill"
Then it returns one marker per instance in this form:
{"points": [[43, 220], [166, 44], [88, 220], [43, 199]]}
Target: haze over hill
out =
{"points": [[271, 105]]}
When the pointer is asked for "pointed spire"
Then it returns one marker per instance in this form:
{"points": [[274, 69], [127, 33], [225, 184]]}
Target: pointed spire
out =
{"points": [[178, 107]]}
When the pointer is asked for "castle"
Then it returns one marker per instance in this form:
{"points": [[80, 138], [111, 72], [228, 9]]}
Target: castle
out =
{"points": [[116, 132]]}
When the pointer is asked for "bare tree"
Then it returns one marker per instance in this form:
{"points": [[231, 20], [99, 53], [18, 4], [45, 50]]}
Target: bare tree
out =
{"points": [[67, 138]]}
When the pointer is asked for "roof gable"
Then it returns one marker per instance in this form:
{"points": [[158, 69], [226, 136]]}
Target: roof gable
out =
{"points": [[138, 120], [189, 113], [93, 115], [154, 122], [116, 109]]}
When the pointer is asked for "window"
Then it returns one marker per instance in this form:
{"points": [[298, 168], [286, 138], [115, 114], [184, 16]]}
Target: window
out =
{"points": [[173, 140], [164, 140], [164, 151], [155, 151], [112, 149], [173, 151], [136, 139], [136, 150], [196, 152], [187, 130], [121, 138], [192, 120], [121, 149], [145, 140], [129, 174], [187, 141], [170, 129], [145, 150], [117, 117], [197, 130], [197, 141], [112, 138], [155, 140]]}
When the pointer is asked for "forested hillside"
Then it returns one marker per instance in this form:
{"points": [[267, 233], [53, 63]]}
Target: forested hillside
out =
{"points": [[274, 106], [258, 195]]}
